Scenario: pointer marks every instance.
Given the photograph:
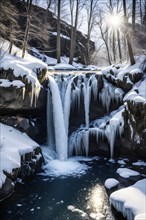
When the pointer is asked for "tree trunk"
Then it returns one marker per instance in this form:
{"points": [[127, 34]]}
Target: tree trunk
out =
{"points": [[141, 14], [58, 32], [106, 45], [114, 48], [29, 4], [73, 34], [10, 46], [119, 45], [49, 4], [124, 8], [130, 51], [133, 14], [89, 33]]}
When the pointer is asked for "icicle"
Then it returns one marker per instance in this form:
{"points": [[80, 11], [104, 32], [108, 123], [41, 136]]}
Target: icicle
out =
{"points": [[87, 97], [59, 126], [23, 93], [115, 127], [67, 105], [72, 142], [85, 140], [94, 87], [50, 126]]}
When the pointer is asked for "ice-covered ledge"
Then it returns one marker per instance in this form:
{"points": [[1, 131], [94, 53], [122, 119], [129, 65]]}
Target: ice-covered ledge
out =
{"points": [[131, 201]]}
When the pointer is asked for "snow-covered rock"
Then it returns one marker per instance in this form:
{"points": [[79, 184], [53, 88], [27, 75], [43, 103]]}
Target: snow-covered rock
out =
{"points": [[14, 147], [126, 173], [130, 201], [110, 183]]}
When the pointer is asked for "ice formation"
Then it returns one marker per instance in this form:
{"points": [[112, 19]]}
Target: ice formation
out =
{"points": [[69, 90]]}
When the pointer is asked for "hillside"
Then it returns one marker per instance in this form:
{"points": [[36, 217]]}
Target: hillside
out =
{"points": [[43, 33]]}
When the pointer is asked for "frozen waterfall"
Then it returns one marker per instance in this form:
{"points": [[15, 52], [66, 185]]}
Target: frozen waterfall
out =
{"points": [[58, 118], [68, 92]]}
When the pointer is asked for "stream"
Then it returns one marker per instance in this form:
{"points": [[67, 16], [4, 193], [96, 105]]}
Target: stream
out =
{"points": [[66, 198]]}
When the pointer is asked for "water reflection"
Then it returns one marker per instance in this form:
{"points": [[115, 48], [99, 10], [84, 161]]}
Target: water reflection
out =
{"points": [[98, 204]]}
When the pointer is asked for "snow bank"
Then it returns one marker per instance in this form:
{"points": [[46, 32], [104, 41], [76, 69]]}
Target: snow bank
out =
{"points": [[133, 96], [140, 217], [110, 183], [62, 66], [139, 163], [126, 173], [131, 200], [13, 144]]}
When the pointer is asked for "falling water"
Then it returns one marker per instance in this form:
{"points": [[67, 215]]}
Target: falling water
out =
{"points": [[58, 118]]}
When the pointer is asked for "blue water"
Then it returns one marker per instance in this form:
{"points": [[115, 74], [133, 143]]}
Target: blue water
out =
{"points": [[46, 198]]}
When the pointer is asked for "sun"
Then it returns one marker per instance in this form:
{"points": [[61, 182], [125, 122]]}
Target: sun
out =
{"points": [[114, 20]]}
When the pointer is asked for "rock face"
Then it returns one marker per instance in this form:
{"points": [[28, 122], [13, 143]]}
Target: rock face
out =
{"points": [[30, 163], [134, 141], [16, 98], [48, 17], [23, 107]]}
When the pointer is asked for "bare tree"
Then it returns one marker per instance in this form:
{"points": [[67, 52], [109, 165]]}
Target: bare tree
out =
{"points": [[29, 6], [92, 12], [103, 28], [126, 33], [74, 23], [58, 31], [133, 14]]}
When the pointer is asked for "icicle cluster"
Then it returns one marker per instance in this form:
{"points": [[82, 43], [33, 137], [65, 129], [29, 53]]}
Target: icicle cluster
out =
{"points": [[108, 127], [110, 94], [66, 92]]}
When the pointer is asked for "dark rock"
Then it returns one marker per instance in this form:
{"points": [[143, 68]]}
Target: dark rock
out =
{"points": [[30, 163], [12, 97], [124, 84], [6, 189], [134, 139], [136, 77], [33, 127]]}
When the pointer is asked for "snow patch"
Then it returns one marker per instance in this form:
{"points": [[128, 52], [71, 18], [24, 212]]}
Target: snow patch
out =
{"points": [[126, 173], [110, 183]]}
